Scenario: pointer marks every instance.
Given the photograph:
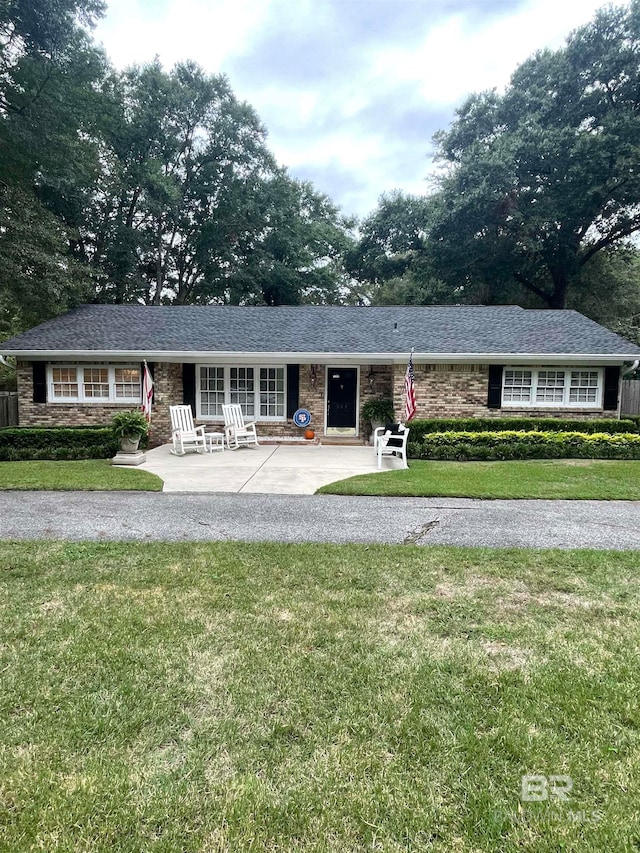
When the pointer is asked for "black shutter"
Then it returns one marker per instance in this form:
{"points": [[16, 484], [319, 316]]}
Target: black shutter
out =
{"points": [[293, 388], [611, 386], [494, 398], [39, 381], [189, 386]]}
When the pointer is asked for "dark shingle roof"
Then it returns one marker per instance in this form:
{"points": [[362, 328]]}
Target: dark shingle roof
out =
{"points": [[316, 329]]}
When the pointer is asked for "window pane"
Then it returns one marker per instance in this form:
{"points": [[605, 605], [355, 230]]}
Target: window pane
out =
{"points": [[584, 386], [517, 386], [241, 389], [211, 391], [65, 383], [127, 383], [96, 382], [550, 388], [272, 398]]}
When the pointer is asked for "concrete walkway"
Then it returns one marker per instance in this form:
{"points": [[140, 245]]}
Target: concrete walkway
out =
{"points": [[155, 516], [265, 469]]}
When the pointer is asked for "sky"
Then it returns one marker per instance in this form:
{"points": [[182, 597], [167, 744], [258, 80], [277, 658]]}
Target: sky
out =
{"points": [[351, 91]]}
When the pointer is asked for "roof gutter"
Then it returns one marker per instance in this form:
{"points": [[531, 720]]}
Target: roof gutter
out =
{"points": [[191, 356]]}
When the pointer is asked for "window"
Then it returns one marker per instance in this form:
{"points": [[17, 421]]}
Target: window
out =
{"points": [[96, 382], [260, 391], [242, 389], [550, 387], [64, 381], [517, 386], [545, 387], [272, 392], [127, 383], [211, 391], [101, 383], [584, 387]]}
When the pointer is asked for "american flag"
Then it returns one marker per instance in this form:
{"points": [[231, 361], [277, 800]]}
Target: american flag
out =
{"points": [[147, 393], [409, 391]]}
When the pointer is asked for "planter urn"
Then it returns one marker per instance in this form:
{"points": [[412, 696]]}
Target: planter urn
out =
{"points": [[129, 443]]}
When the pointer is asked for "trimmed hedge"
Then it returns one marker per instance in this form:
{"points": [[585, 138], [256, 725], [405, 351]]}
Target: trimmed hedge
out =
{"points": [[511, 444], [417, 428], [25, 443]]}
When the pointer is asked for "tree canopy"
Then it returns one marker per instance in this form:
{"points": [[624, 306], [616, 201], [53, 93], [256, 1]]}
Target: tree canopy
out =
{"points": [[540, 179], [146, 185], [158, 186]]}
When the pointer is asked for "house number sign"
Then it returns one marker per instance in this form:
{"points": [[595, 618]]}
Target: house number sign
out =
{"points": [[302, 417]]}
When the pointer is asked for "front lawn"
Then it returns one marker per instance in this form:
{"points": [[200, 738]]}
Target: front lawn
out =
{"points": [[541, 478], [91, 474], [187, 697]]}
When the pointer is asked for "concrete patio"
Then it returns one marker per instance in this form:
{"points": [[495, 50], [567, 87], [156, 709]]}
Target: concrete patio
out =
{"points": [[266, 469]]}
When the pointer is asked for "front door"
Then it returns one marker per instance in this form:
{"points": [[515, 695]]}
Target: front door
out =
{"points": [[342, 397]]}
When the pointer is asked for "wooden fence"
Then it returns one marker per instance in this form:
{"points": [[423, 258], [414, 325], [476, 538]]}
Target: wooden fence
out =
{"points": [[630, 397], [8, 408]]}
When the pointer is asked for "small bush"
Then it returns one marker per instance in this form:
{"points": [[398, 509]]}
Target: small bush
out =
{"points": [[419, 427], [511, 444], [24, 443]]}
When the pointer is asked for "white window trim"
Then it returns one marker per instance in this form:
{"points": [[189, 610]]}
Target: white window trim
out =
{"points": [[565, 404], [92, 401], [227, 391]]}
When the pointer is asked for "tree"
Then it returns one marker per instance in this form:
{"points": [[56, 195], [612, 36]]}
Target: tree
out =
{"points": [[392, 258], [191, 207], [38, 278], [49, 73], [294, 254], [541, 179], [609, 287]]}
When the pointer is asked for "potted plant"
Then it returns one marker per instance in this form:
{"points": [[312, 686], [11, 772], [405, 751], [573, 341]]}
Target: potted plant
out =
{"points": [[129, 428], [377, 412]]}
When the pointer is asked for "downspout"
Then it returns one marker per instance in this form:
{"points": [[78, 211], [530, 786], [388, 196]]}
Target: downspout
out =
{"points": [[627, 372]]}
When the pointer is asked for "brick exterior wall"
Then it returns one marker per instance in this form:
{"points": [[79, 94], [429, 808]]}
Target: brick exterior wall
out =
{"points": [[167, 391], [59, 414], [442, 390], [460, 391]]}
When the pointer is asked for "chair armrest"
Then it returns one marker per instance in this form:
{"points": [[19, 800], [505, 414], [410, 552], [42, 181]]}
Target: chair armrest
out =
{"points": [[378, 436], [200, 429]]}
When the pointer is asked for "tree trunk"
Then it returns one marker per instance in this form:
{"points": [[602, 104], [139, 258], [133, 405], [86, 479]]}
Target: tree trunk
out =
{"points": [[558, 297]]}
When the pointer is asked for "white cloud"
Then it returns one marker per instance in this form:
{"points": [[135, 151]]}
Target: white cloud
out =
{"points": [[207, 31], [328, 106]]}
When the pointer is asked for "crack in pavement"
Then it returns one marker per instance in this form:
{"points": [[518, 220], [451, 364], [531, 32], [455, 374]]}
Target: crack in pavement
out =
{"points": [[414, 536]]}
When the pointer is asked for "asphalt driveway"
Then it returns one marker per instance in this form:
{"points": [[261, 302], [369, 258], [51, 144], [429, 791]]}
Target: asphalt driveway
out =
{"points": [[153, 516]]}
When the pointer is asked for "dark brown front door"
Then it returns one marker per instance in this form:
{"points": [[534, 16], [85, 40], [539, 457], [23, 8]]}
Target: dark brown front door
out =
{"points": [[342, 393]]}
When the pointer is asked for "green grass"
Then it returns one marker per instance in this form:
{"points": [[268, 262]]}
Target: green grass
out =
{"points": [[558, 478], [187, 697], [90, 474]]}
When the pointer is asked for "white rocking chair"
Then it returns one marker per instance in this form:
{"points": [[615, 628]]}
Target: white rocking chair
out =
{"points": [[237, 431], [184, 434], [391, 442]]}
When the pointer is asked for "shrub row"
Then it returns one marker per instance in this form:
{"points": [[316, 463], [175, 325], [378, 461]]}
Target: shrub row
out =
{"points": [[23, 443], [462, 446], [419, 427]]}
